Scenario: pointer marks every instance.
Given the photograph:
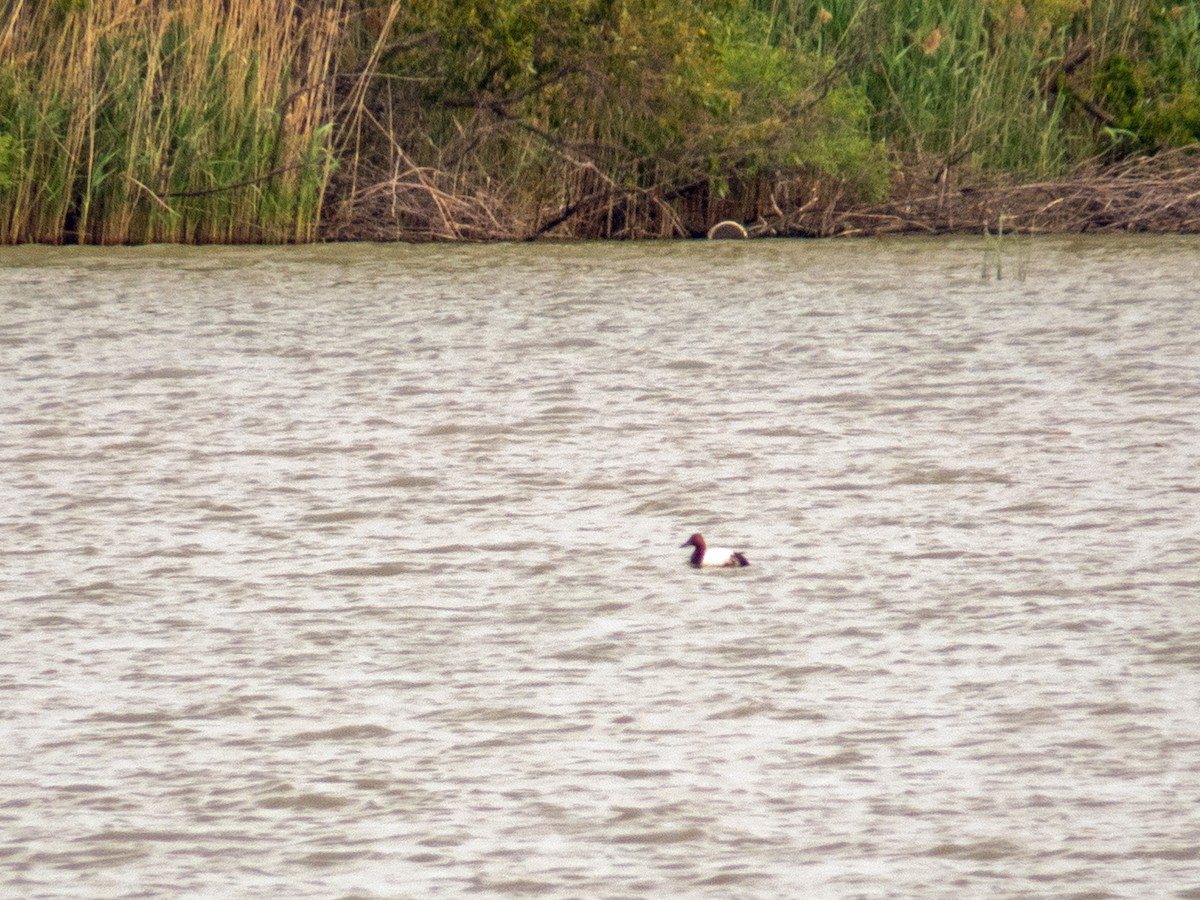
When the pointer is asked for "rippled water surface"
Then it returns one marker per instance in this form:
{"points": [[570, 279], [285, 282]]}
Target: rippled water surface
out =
{"points": [[354, 571]]}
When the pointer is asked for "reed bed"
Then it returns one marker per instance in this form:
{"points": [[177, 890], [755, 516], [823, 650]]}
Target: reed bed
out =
{"points": [[141, 120], [233, 121]]}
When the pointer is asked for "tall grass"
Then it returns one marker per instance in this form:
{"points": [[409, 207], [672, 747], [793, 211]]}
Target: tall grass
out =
{"points": [[1029, 87], [143, 120], [956, 80], [961, 85]]}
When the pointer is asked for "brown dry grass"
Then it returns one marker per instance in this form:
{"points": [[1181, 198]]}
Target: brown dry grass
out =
{"points": [[1158, 194], [1152, 194]]}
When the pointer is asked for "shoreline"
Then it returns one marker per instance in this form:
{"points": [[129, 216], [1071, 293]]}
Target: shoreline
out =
{"points": [[1155, 195], [1145, 195], [275, 123], [1158, 195]]}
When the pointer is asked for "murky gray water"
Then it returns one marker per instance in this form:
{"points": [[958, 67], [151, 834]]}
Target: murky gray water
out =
{"points": [[354, 571]]}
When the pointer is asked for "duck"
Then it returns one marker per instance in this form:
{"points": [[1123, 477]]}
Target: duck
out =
{"points": [[705, 555]]}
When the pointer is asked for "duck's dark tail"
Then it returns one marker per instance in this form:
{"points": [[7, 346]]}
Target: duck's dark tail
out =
{"points": [[741, 558]]}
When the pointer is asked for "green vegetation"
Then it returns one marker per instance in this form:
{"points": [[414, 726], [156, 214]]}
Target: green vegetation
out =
{"points": [[599, 117], [125, 121], [1150, 82]]}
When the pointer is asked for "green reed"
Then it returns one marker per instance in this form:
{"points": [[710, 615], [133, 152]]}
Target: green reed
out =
{"points": [[995, 248], [1030, 87], [958, 80]]}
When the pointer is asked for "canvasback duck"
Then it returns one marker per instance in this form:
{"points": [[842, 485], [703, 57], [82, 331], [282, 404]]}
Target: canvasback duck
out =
{"points": [[705, 555]]}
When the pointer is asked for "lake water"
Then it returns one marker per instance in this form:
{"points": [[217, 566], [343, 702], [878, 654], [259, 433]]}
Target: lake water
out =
{"points": [[354, 571]]}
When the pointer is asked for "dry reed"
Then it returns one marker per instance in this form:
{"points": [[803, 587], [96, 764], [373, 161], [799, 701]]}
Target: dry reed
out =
{"points": [[1155, 194], [142, 120]]}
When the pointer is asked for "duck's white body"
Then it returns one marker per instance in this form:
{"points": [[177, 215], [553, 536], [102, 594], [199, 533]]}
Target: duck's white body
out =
{"points": [[705, 556]]}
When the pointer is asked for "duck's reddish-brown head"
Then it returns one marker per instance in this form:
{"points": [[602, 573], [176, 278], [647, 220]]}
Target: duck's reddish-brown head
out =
{"points": [[697, 541]]}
